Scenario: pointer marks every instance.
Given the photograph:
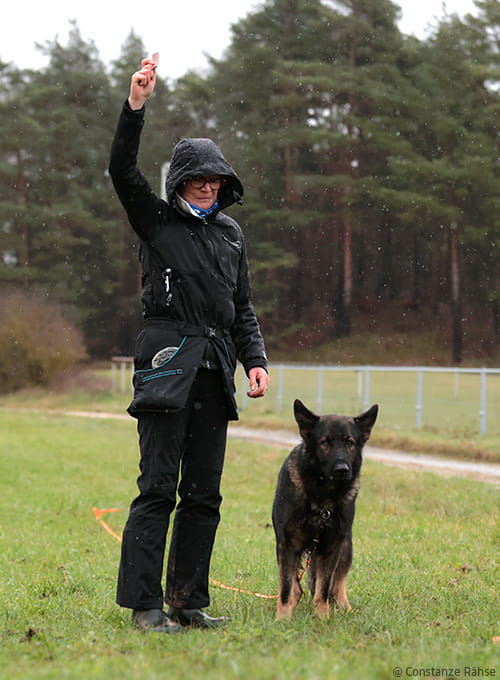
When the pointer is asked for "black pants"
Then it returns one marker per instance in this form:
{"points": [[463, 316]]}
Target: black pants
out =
{"points": [[193, 440]]}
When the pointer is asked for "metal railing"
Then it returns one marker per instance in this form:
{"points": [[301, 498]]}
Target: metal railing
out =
{"points": [[364, 375], [361, 390], [121, 374]]}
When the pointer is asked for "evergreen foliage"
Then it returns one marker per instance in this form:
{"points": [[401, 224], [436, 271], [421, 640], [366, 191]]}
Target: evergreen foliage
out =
{"points": [[369, 159]]}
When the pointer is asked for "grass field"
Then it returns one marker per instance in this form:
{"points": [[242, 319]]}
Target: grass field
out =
{"points": [[423, 585], [450, 416]]}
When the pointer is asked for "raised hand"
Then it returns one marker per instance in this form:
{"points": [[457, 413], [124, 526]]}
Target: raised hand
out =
{"points": [[142, 83]]}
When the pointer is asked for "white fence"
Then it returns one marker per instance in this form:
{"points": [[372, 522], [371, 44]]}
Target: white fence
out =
{"points": [[287, 380]]}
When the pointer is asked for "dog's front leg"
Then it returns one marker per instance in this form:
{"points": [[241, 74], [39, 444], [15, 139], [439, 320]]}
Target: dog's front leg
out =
{"points": [[339, 591], [290, 590], [324, 568], [321, 580], [338, 585]]}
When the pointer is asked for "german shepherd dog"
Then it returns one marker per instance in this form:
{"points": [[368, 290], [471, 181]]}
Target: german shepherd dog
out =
{"points": [[313, 508]]}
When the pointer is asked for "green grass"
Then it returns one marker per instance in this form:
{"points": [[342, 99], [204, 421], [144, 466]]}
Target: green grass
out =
{"points": [[450, 418], [423, 585]]}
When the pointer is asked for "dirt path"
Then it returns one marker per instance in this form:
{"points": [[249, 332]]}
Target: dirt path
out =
{"points": [[484, 472]]}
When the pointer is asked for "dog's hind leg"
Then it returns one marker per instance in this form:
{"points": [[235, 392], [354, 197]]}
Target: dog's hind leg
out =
{"points": [[290, 590]]}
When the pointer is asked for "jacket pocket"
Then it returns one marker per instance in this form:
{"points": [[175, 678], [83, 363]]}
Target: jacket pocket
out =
{"points": [[160, 390]]}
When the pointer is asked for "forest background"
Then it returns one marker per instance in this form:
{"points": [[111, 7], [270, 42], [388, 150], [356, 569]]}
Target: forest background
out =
{"points": [[369, 160]]}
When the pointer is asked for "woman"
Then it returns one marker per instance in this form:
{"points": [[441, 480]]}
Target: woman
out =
{"points": [[199, 319]]}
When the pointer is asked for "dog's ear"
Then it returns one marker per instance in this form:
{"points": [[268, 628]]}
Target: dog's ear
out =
{"points": [[305, 418], [366, 421]]}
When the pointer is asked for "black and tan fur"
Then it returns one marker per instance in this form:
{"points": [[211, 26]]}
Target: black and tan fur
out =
{"points": [[313, 509]]}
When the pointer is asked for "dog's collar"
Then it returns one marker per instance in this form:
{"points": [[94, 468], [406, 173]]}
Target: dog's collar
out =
{"points": [[325, 514]]}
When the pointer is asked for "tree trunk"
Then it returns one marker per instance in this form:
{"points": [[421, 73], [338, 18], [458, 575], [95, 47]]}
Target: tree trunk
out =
{"points": [[386, 283], [344, 329], [299, 273], [495, 311], [415, 293], [456, 307], [341, 302], [21, 199]]}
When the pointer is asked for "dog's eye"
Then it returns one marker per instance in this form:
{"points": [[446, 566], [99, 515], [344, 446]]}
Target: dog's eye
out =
{"points": [[350, 442]]}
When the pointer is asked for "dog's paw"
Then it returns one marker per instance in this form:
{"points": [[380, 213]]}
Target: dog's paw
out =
{"points": [[322, 609]]}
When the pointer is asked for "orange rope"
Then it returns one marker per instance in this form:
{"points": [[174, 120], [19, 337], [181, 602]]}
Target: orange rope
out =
{"points": [[308, 562], [239, 590], [98, 515]]}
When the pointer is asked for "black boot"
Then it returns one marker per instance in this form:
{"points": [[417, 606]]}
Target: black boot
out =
{"points": [[196, 618], [154, 620]]}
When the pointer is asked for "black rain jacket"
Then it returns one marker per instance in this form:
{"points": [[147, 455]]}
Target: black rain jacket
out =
{"points": [[196, 287]]}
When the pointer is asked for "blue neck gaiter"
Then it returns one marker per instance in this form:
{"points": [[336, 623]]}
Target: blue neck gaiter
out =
{"points": [[202, 212]]}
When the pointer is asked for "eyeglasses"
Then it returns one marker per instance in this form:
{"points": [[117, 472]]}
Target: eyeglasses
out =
{"points": [[199, 182]]}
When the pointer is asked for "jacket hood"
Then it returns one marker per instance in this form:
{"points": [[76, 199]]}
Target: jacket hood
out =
{"points": [[199, 156]]}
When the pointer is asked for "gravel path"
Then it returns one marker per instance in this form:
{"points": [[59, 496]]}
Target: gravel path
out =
{"points": [[485, 472]]}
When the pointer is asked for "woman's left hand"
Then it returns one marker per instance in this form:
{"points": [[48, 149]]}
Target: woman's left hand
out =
{"points": [[259, 382]]}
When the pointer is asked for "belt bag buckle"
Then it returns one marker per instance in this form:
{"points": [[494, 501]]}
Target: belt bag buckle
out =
{"points": [[210, 332]]}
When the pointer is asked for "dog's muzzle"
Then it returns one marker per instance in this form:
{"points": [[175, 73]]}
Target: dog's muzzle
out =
{"points": [[342, 471]]}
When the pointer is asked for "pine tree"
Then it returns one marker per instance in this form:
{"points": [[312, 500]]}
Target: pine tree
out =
{"points": [[304, 87], [63, 235], [447, 184]]}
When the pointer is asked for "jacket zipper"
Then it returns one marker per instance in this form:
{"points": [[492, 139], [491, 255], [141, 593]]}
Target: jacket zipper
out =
{"points": [[209, 243], [167, 274]]}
